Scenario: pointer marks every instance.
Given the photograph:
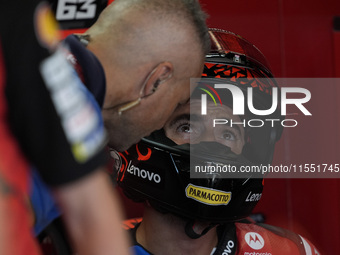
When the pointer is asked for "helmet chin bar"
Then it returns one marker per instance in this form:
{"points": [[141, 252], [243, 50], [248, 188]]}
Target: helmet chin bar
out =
{"points": [[164, 180], [212, 154]]}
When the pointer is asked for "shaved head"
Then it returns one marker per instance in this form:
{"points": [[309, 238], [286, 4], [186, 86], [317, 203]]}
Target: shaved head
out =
{"points": [[150, 31], [144, 46], [119, 16]]}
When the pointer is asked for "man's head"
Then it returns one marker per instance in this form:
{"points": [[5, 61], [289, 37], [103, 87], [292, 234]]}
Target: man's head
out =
{"points": [[157, 168], [149, 50]]}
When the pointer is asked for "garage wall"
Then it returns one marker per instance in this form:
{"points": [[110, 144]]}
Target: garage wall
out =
{"points": [[299, 40]]}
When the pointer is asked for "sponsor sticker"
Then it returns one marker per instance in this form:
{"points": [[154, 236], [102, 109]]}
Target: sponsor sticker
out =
{"points": [[144, 174], [207, 196], [253, 197], [254, 240]]}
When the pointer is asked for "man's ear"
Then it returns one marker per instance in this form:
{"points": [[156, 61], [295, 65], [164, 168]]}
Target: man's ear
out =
{"points": [[160, 74]]}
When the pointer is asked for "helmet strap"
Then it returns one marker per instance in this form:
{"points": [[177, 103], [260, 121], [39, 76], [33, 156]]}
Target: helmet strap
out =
{"points": [[189, 229]]}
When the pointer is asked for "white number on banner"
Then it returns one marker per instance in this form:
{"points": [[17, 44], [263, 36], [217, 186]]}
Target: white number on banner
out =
{"points": [[67, 9]]}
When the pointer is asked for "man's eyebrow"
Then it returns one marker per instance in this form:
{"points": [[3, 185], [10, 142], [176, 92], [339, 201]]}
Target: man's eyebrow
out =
{"points": [[187, 117], [186, 101]]}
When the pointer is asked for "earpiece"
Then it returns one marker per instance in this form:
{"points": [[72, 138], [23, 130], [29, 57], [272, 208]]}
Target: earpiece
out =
{"points": [[155, 86]]}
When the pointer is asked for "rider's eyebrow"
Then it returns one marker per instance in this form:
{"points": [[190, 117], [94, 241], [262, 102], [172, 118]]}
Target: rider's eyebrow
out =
{"points": [[186, 117]]}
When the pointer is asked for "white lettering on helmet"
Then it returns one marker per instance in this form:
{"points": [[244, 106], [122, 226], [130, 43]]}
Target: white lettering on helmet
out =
{"points": [[253, 197], [144, 174]]}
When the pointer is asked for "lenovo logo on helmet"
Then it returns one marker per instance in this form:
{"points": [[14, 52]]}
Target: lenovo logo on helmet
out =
{"points": [[253, 197], [238, 100], [142, 173]]}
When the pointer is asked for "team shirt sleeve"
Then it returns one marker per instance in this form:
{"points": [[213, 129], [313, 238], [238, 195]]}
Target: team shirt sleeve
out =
{"points": [[55, 119]]}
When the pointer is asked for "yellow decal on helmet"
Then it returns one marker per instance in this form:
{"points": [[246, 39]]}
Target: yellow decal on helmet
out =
{"points": [[207, 196]]}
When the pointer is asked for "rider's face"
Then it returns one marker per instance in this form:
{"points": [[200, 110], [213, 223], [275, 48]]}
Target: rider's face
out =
{"points": [[188, 125]]}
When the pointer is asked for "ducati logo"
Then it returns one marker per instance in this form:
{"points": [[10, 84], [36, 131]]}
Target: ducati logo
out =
{"points": [[117, 160], [254, 240]]}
